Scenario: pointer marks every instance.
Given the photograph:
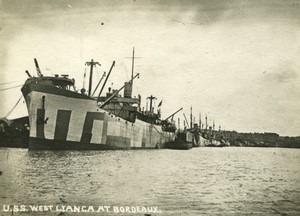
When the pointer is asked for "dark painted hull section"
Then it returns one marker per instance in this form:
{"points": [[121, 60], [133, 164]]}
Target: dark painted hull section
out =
{"points": [[27, 88], [14, 141], [179, 145], [45, 144]]}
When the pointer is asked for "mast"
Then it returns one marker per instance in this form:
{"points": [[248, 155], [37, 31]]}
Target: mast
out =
{"points": [[129, 85], [132, 66], [151, 98], [200, 120], [191, 117], [92, 64]]}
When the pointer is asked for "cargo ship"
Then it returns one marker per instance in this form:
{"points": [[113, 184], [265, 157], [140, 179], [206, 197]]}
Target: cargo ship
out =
{"points": [[63, 118]]}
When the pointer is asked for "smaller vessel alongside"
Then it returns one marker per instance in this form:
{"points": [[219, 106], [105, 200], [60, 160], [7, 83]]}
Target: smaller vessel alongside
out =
{"points": [[181, 141], [14, 133]]}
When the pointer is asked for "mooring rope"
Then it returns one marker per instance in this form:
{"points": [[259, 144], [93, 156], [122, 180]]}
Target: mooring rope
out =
{"points": [[159, 132], [13, 108]]}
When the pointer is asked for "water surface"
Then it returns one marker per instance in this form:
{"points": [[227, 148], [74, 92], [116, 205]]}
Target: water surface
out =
{"points": [[200, 181]]}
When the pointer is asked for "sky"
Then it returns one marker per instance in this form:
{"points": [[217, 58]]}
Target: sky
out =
{"points": [[235, 61]]}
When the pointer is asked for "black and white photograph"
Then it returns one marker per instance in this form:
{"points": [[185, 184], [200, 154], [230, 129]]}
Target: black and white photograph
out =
{"points": [[149, 107]]}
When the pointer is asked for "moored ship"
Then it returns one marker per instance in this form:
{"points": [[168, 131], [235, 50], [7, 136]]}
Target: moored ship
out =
{"points": [[61, 118]]}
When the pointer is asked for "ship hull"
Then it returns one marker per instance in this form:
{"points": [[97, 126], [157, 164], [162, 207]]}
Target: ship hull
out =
{"points": [[46, 144], [64, 120], [183, 145]]}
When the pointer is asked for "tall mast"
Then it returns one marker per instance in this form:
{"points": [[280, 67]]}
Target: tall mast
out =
{"points": [[191, 117], [91, 77], [200, 120], [132, 66], [92, 64]]}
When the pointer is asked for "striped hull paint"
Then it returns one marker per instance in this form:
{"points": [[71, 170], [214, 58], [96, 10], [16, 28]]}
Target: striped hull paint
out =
{"points": [[64, 122]]}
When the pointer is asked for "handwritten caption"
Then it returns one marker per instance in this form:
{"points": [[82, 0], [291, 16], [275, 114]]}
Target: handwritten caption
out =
{"points": [[78, 209]]}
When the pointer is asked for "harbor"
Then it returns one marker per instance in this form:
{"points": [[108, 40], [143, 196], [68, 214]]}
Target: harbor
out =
{"points": [[149, 108], [131, 126]]}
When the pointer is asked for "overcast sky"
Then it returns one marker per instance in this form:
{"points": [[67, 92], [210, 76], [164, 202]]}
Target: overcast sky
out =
{"points": [[236, 61]]}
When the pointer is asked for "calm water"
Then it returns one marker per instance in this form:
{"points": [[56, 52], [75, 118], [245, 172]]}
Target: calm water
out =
{"points": [[201, 181]]}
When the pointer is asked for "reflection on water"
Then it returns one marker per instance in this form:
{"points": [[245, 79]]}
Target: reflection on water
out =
{"points": [[194, 182]]}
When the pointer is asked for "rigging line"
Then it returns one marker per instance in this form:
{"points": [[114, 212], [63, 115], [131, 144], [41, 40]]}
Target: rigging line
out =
{"points": [[10, 87], [159, 131], [13, 107], [120, 110], [8, 82]]}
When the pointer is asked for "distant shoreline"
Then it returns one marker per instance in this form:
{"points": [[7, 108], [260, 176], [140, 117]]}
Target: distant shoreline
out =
{"points": [[14, 133]]}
